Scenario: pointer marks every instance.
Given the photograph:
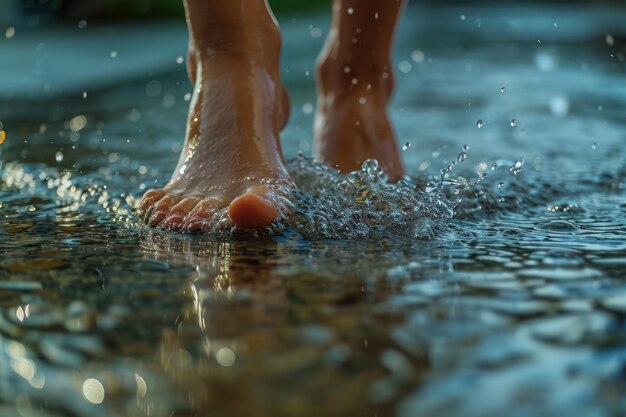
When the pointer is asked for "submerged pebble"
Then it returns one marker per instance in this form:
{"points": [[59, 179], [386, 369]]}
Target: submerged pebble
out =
{"points": [[616, 303]]}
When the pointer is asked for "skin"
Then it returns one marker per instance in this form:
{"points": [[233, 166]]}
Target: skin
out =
{"points": [[239, 106], [355, 82]]}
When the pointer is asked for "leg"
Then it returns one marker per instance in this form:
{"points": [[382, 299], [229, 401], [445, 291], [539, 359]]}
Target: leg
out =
{"points": [[237, 110], [355, 82]]}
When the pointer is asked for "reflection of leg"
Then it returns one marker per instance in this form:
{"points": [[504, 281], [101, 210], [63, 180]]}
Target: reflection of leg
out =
{"points": [[355, 82], [238, 108]]}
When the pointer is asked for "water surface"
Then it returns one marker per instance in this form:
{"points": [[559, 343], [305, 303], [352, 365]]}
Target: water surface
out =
{"points": [[511, 302]]}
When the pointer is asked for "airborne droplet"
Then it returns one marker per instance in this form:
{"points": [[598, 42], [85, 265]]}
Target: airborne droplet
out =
{"points": [[406, 146], [517, 167], [513, 122], [480, 123]]}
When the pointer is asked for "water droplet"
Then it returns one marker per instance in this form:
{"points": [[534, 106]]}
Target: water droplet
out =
{"points": [[404, 67], [10, 32], [84, 94], [59, 156], [113, 54], [494, 166], [559, 106], [406, 146], [465, 148], [362, 100], [180, 59], [187, 97], [517, 167], [503, 89], [500, 184], [462, 157], [609, 39], [225, 357], [594, 146], [462, 17], [417, 56], [307, 108], [545, 62], [93, 391], [513, 122], [315, 32], [78, 123], [370, 166], [480, 123], [350, 11], [346, 69], [82, 24]]}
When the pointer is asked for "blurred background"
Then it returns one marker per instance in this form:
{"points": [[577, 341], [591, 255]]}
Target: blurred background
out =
{"points": [[24, 11], [119, 66]]}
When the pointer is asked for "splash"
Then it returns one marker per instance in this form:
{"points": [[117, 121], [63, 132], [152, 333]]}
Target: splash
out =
{"points": [[362, 204]]}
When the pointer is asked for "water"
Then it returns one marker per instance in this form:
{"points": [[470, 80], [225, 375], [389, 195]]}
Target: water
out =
{"points": [[450, 294]]}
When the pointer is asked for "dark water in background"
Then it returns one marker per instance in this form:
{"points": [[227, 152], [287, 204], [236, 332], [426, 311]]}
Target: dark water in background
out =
{"points": [[516, 306]]}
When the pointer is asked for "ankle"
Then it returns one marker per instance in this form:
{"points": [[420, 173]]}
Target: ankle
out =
{"points": [[346, 72], [260, 44]]}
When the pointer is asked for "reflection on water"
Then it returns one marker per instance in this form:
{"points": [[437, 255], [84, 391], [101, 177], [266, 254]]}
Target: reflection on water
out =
{"points": [[504, 297]]}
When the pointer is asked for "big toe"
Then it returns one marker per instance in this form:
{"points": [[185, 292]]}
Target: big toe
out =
{"points": [[255, 209]]}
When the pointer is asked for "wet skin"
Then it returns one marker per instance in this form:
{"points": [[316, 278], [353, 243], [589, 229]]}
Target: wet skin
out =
{"points": [[239, 106]]}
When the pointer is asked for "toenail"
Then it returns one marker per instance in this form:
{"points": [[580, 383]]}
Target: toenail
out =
{"points": [[157, 215], [173, 225]]}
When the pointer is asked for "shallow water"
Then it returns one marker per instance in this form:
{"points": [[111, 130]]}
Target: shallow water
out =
{"points": [[515, 305]]}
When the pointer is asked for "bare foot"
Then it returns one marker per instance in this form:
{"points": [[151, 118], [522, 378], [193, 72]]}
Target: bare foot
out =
{"points": [[355, 82], [232, 146]]}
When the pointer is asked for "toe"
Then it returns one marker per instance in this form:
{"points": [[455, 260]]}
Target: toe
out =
{"points": [[255, 209], [203, 211], [178, 212], [148, 200], [162, 209]]}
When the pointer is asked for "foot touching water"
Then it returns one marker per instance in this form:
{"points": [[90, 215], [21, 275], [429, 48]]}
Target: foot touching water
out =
{"points": [[232, 146], [232, 156]]}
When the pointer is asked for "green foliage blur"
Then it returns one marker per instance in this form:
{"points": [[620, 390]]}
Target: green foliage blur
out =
{"points": [[73, 10], [122, 9]]}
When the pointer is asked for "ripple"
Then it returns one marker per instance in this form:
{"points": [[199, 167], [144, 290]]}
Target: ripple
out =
{"points": [[616, 303], [561, 274], [559, 226]]}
